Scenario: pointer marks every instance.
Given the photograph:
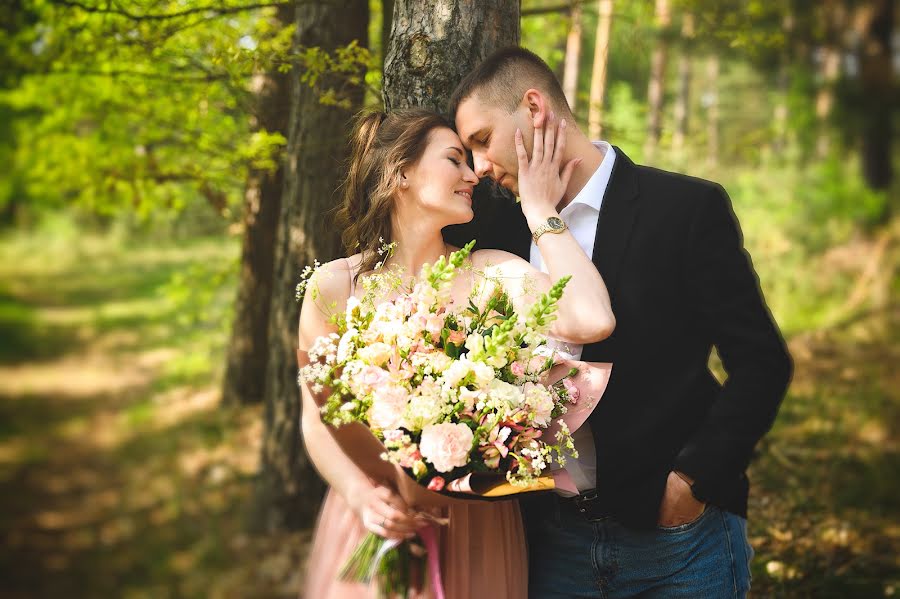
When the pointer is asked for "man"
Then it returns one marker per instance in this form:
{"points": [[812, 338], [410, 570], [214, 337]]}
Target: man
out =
{"points": [[661, 474]]}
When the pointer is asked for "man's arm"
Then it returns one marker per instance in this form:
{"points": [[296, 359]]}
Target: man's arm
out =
{"points": [[724, 289]]}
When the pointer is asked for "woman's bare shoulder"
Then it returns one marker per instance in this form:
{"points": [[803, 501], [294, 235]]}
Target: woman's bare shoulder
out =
{"points": [[503, 260], [331, 282]]}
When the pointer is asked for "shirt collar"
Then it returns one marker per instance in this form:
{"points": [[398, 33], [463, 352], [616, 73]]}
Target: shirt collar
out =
{"points": [[592, 193]]}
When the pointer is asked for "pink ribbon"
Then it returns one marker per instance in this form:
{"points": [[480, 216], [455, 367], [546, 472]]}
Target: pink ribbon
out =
{"points": [[428, 533]]}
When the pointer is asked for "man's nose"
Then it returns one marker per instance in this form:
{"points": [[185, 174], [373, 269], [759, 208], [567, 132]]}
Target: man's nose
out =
{"points": [[482, 165]]}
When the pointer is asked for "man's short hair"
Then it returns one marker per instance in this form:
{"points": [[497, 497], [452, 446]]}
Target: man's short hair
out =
{"points": [[503, 78]]}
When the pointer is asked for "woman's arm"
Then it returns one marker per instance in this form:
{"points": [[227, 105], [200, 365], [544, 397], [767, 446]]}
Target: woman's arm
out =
{"points": [[584, 313], [381, 510]]}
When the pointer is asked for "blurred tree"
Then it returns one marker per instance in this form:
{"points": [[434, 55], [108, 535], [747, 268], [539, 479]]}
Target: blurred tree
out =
{"points": [[833, 16], [874, 24], [656, 86], [435, 43], [248, 348], [683, 96], [598, 73], [573, 54], [322, 103], [711, 104]]}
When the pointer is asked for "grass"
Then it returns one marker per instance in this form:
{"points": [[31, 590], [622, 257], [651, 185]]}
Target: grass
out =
{"points": [[120, 475]]}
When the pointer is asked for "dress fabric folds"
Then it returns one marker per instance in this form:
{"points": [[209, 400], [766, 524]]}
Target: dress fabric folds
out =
{"points": [[483, 552]]}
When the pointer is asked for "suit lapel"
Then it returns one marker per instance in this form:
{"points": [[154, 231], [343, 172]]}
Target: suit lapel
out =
{"points": [[617, 215]]}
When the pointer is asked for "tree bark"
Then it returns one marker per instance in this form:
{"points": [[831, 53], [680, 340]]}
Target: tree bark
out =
{"points": [[387, 19], [289, 490], [656, 85], [573, 54], [434, 43], [598, 73], [683, 98], [248, 349]]}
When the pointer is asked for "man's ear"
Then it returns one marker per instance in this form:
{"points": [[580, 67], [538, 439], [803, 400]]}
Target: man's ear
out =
{"points": [[538, 108]]}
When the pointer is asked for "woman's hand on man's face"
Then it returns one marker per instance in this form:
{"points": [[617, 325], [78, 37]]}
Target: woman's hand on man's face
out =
{"points": [[543, 178]]}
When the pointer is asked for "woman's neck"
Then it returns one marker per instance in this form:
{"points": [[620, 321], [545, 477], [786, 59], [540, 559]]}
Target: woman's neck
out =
{"points": [[414, 248]]}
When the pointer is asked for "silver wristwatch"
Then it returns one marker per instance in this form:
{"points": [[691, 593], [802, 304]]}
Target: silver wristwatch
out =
{"points": [[554, 224]]}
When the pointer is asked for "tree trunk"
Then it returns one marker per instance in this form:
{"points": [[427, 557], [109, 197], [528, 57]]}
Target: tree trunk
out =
{"points": [[683, 98], [783, 81], [879, 97], [712, 111], [573, 53], [289, 490], [829, 71], [434, 43], [387, 19], [656, 85], [248, 349], [598, 72]]}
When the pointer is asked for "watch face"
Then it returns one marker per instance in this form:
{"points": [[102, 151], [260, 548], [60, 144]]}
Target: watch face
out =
{"points": [[555, 223]]}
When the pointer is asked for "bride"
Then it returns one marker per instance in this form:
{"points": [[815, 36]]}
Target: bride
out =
{"points": [[407, 179]]}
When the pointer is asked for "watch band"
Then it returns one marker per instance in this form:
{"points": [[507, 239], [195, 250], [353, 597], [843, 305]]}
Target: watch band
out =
{"points": [[554, 224]]}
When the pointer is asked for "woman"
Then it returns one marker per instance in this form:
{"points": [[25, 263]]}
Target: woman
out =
{"points": [[407, 179]]}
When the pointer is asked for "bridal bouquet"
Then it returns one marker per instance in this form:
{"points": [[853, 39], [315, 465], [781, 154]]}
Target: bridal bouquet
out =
{"points": [[457, 394]]}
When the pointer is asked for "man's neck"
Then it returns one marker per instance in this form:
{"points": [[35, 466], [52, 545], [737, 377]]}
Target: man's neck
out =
{"points": [[592, 156]]}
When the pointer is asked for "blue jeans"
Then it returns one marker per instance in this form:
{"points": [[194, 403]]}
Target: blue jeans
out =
{"points": [[570, 556]]}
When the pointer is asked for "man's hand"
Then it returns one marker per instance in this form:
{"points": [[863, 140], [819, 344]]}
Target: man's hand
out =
{"points": [[678, 504]]}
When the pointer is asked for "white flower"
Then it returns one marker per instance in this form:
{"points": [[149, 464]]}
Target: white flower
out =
{"points": [[446, 445], [426, 405], [375, 353], [539, 399], [346, 345], [388, 405], [457, 371], [484, 374], [505, 392], [352, 304]]}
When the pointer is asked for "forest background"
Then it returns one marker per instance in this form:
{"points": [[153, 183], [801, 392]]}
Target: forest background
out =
{"points": [[165, 172]]}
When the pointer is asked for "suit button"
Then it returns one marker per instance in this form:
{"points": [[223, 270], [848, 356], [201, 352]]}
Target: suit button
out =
{"points": [[581, 509]]}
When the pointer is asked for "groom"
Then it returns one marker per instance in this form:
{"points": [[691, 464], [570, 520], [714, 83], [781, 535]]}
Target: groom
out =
{"points": [[662, 503]]}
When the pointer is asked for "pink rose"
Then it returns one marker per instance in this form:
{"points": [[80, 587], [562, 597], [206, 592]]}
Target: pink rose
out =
{"points": [[436, 484], [393, 435], [572, 390], [446, 445], [517, 368], [373, 376], [408, 456], [456, 337]]}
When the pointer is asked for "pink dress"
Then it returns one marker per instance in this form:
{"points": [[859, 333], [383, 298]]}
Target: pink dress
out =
{"points": [[483, 552]]}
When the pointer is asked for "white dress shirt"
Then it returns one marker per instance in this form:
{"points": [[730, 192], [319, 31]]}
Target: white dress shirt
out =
{"points": [[581, 216]]}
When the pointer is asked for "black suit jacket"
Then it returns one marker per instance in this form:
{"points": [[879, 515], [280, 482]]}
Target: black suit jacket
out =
{"points": [[671, 253]]}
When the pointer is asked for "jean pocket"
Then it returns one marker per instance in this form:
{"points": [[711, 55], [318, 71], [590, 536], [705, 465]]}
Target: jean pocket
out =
{"points": [[707, 508]]}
